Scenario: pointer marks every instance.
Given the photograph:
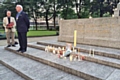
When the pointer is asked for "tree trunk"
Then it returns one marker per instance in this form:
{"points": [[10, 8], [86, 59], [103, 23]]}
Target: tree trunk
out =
{"points": [[66, 12], [36, 27], [46, 17], [101, 11], [54, 15], [78, 9]]}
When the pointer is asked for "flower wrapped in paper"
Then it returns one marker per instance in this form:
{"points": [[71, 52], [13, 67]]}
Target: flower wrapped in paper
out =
{"points": [[10, 25]]}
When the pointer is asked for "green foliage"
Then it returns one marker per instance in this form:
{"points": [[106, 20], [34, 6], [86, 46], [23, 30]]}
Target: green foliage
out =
{"points": [[101, 7], [71, 14], [7, 5], [107, 14], [51, 8]]}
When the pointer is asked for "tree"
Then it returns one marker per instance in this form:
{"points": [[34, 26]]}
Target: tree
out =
{"points": [[64, 7], [2, 11], [71, 14], [33, 8], [9, 5], [101, 7]]}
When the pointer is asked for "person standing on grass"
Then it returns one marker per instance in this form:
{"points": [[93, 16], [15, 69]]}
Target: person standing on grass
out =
{"points": [[9, 24], [23, 25]]}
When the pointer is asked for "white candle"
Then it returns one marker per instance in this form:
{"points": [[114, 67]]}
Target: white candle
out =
{"points": [[73, 49], [90, 52], [71, 57], [93, 52]]}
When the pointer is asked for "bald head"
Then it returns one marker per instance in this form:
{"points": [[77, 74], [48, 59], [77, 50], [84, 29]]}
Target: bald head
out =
{"points": [[19, 8]]}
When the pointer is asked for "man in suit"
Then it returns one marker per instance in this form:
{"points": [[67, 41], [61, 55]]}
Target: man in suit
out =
{"points": [[9, 24], [23, 24]]}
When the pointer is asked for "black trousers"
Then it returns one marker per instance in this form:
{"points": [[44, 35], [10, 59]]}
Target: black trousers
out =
{"points": [[22, 37]]}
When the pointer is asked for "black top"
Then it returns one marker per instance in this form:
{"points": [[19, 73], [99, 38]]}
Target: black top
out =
{"points": [[8, 20]]}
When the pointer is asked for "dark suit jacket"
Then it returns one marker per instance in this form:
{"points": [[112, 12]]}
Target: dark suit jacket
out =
{"points": [[22, 22]]}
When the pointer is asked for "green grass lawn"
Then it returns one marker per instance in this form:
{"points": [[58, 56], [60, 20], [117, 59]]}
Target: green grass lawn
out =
{"points": [[41, 33], [2, 31], [37, 33]]}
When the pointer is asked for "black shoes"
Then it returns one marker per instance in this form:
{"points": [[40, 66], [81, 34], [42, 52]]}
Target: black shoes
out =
{"points": [[8, 45], [18, 50], [22, 51], [13, 45]]}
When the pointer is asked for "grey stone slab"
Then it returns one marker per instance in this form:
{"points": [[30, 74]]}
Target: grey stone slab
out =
{"points": [[87, 47], [84, 66], [6, 74], [90, 68], [104, 60], [97, 70], [33, 69], [3, 70], [69, 77], [93, 69], [10, 76], [41, 54], [115, 75], [61, 76], [99, 59], [117, 61]]}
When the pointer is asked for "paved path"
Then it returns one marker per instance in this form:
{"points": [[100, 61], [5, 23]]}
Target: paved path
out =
{"points": [[88, 68], [32, 39], [7, 74]]}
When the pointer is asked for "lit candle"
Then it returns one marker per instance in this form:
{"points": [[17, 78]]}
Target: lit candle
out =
{"points": [[73, 49], [90, 52], [79, 59], [63, 48], [53, 51], [71, 57], [93, 52], [75, 36]]}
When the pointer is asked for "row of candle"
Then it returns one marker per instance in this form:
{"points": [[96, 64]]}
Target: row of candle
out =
{"points": [[75, 54]]}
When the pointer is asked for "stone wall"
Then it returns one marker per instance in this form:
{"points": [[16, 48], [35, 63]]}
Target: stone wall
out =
{"points": [[96, 31]]}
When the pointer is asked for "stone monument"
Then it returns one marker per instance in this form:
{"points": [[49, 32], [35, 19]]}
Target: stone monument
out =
{"points": [[103, 32], [117, 10]]}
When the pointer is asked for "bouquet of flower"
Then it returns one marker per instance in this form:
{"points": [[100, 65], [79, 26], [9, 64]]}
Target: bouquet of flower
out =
{"points": [[10, 25]]}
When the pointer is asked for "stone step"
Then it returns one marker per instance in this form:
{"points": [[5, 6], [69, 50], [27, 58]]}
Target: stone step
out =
{"points": [[33, 70], [97, 59], [102, 51], [85, 69], [7, 74]]}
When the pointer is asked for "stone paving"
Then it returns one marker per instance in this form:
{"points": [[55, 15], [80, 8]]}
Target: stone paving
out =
{"points": [[101, 58], [33, 69], [34, 39], [89, 68], [6, 74], [88, 47]]}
